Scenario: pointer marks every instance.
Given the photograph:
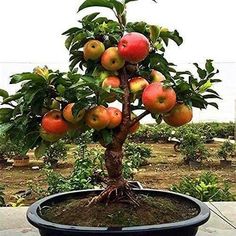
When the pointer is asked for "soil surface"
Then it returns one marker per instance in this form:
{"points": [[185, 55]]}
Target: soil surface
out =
{"points": [[165, 168], [152, 210]]}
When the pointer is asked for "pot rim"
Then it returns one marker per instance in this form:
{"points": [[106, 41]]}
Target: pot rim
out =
{"points": [[34, 218]]}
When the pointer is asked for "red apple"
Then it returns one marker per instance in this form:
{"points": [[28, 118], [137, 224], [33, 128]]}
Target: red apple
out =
{"points": [[111, 59], [115, 117], [158, 99], [54, 123], [111, 81], [134, 47]]}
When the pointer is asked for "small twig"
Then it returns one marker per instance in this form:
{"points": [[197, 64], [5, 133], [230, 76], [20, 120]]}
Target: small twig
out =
{"points": [[138, 118]]}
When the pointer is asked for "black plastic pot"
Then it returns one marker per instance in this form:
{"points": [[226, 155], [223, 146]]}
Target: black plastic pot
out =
{"points": [[182, 228]]}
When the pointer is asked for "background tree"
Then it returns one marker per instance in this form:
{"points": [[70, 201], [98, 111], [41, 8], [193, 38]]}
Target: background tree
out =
{"points": [[109, 60]]}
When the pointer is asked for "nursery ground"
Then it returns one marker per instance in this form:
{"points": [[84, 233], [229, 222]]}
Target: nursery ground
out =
{"points": [[164, 169]]}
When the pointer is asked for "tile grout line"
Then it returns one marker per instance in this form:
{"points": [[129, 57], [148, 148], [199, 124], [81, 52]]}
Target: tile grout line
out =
{"points": [[224, 219]]}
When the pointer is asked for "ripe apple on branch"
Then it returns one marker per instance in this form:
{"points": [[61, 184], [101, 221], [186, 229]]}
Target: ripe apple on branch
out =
{"points": [[110, 60]]}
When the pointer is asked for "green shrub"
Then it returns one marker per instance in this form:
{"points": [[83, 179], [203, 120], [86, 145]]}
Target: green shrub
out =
{"points": [[55, 152], [83, 138], [8, 149], [226, 150], [192, 147], [205, 188], [161, 133], [89, 171], [135, 156]]}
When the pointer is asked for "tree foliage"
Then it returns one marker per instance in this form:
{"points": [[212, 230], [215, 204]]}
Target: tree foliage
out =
{"points": [[21, 113]]}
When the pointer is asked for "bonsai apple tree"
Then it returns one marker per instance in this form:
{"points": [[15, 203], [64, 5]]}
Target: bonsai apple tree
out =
{"points": [[110, 60]]}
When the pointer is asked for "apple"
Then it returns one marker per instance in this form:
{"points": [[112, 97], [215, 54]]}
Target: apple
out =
{"points": [[134, 127], [137, 85], [134, 47], [115, 117], [111, 59], [49, 137], [179, 115], [54, 123], [68, 114], [93, 50], [97, 118], [157, 76], [158, 99], [111, 81]]}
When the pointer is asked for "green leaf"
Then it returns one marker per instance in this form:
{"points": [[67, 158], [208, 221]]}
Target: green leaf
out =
{"points": [[154, 32], [71, 31], [5, 114], [69, 41], [211, 96], [212, 91], [3, 93], [107, 136], [118, 6], [89, 18], [26, 76], [95, 3], [205, 86], [30, 141], [12, 98], [213, 104], [40, 150], [4, 128], [202, 73], [208, 66]]}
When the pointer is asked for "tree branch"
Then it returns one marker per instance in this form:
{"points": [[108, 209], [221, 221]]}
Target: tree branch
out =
{"points": [[138, 118], [124, 126]]}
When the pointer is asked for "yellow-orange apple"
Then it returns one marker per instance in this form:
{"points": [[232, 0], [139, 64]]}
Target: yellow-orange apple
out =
{"points": [[97, 118], [179, 115], [157, 76], [93, 50], [68, 114], [111, 59], [158, 99], [137, 85]]}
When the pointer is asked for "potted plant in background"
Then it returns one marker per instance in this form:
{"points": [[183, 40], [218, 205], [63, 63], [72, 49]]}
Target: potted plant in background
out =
{"points": [[226, 150], [122, 62], [193, 149], [12, 151]]}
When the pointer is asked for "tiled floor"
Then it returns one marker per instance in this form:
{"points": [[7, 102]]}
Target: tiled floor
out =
{"points": [[13, 221]]}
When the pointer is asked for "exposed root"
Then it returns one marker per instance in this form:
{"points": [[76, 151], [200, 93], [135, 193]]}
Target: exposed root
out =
{"points": [[117, 192]]}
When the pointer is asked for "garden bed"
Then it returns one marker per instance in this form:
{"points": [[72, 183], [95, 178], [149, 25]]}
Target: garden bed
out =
{"points": [[164, 169]]}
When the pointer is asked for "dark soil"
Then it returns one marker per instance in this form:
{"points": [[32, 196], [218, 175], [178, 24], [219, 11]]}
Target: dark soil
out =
{"points": [[152, 210]]}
